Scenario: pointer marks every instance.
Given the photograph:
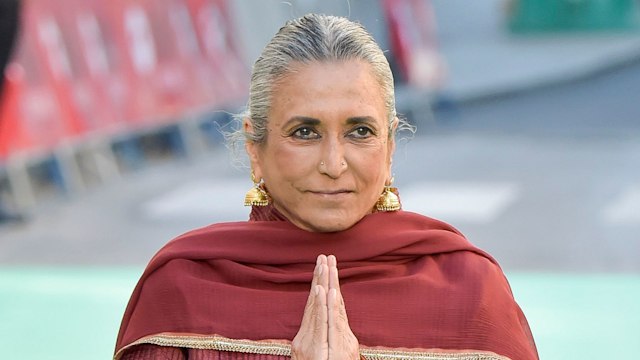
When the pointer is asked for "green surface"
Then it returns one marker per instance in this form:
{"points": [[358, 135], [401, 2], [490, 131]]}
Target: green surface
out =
{"points": [[563, 15], [62, 313], [74, 313], [581, 316]]}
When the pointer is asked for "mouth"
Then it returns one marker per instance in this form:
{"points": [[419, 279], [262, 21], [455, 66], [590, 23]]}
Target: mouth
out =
{"points": [[331, 193]]}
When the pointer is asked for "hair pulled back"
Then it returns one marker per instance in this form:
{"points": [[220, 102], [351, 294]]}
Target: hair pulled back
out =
{"points": [[312, 38]]}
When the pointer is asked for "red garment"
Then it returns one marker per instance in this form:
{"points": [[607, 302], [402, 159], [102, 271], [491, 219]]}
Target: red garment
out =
{"points": [[408, 281]]}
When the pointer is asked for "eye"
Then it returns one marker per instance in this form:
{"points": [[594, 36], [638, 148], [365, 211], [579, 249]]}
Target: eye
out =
{"points": [[361, 132], [305, 133]]}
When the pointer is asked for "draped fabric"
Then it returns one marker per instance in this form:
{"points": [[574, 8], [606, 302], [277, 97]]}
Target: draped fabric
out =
{"points": [[408, 281]]}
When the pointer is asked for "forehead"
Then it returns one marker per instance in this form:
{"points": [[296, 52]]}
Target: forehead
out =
{"points": [[325, 73], [327, 88]]}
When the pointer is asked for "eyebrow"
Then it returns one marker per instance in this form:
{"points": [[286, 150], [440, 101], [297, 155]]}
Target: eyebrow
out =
{"points": [[361, 120], [303, 120], [315, 122]]}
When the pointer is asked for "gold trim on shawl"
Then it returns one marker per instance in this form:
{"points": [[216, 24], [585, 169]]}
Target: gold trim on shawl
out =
{"points": [[436, 354], [213, 342], [282, 348]]}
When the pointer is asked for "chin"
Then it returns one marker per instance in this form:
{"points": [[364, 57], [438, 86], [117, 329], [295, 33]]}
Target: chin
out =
{"points": [[331, 223], [330, 227], [317, 219]]}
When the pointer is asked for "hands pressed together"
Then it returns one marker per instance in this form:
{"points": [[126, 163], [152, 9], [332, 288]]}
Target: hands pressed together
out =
{"points": [[325, 332]]}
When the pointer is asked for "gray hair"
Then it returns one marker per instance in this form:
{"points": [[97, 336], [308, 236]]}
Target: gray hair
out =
{"points": [[312, 38]]}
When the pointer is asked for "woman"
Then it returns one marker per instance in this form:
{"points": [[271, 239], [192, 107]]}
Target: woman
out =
{"points": [[320, 132]]}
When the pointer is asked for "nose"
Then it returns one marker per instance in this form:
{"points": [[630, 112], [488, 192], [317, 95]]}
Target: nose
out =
{"points": [[333, 162]]}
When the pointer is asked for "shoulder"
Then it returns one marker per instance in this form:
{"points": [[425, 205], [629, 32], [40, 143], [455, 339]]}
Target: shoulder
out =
{"points": [[435, 234], [474, 267], [413, 220], [460, 257], [219, 240]]}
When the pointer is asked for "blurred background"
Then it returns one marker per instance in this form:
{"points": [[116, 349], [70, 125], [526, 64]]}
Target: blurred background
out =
{"points": [[528, 141]]}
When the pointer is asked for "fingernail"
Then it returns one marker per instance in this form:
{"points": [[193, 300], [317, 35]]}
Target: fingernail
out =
{"points": [[320, 270], [317, 290]]}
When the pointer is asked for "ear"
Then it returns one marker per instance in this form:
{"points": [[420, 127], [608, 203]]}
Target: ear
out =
{"points": [[253, 149]]}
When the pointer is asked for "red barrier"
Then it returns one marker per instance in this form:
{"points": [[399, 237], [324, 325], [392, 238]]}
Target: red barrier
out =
{"points": [[37, 113], [94, 67], [412, 31], [154, 85], [91, 80], [214, 28]]}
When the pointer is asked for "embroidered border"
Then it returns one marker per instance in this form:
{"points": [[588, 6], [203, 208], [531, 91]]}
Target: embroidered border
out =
{"points": [[388, 354], [267, 347]]}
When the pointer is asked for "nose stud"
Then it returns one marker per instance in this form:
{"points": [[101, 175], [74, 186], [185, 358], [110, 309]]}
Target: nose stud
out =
{"points": [[342, 163]]}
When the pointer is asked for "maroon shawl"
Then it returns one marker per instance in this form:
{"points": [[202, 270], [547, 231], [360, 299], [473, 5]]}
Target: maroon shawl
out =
{"points": [[408, 282]]}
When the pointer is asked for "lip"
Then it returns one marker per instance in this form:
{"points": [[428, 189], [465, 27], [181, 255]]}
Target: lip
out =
{"points": [[331, 193]]}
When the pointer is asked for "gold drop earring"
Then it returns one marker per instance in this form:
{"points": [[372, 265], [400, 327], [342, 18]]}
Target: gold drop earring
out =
{"points": [[257, 195], [388, 200]]}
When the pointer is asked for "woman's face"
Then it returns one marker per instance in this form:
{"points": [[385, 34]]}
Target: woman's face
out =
{"points": [[327, 153]]}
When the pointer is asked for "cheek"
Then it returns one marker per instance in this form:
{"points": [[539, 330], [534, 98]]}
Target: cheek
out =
{"points": [[292, 163], [371, 165]]}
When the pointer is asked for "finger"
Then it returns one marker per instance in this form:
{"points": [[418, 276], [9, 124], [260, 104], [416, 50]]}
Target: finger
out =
{"points": [[317, 275], [321, 317], [323, 276], [311, 339], [334, 281], [315, 314], [317, 271], [335, 302], [333, 306], [332, 318], [332, 261], [342, 341], [336, 308], [316, 334]]}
